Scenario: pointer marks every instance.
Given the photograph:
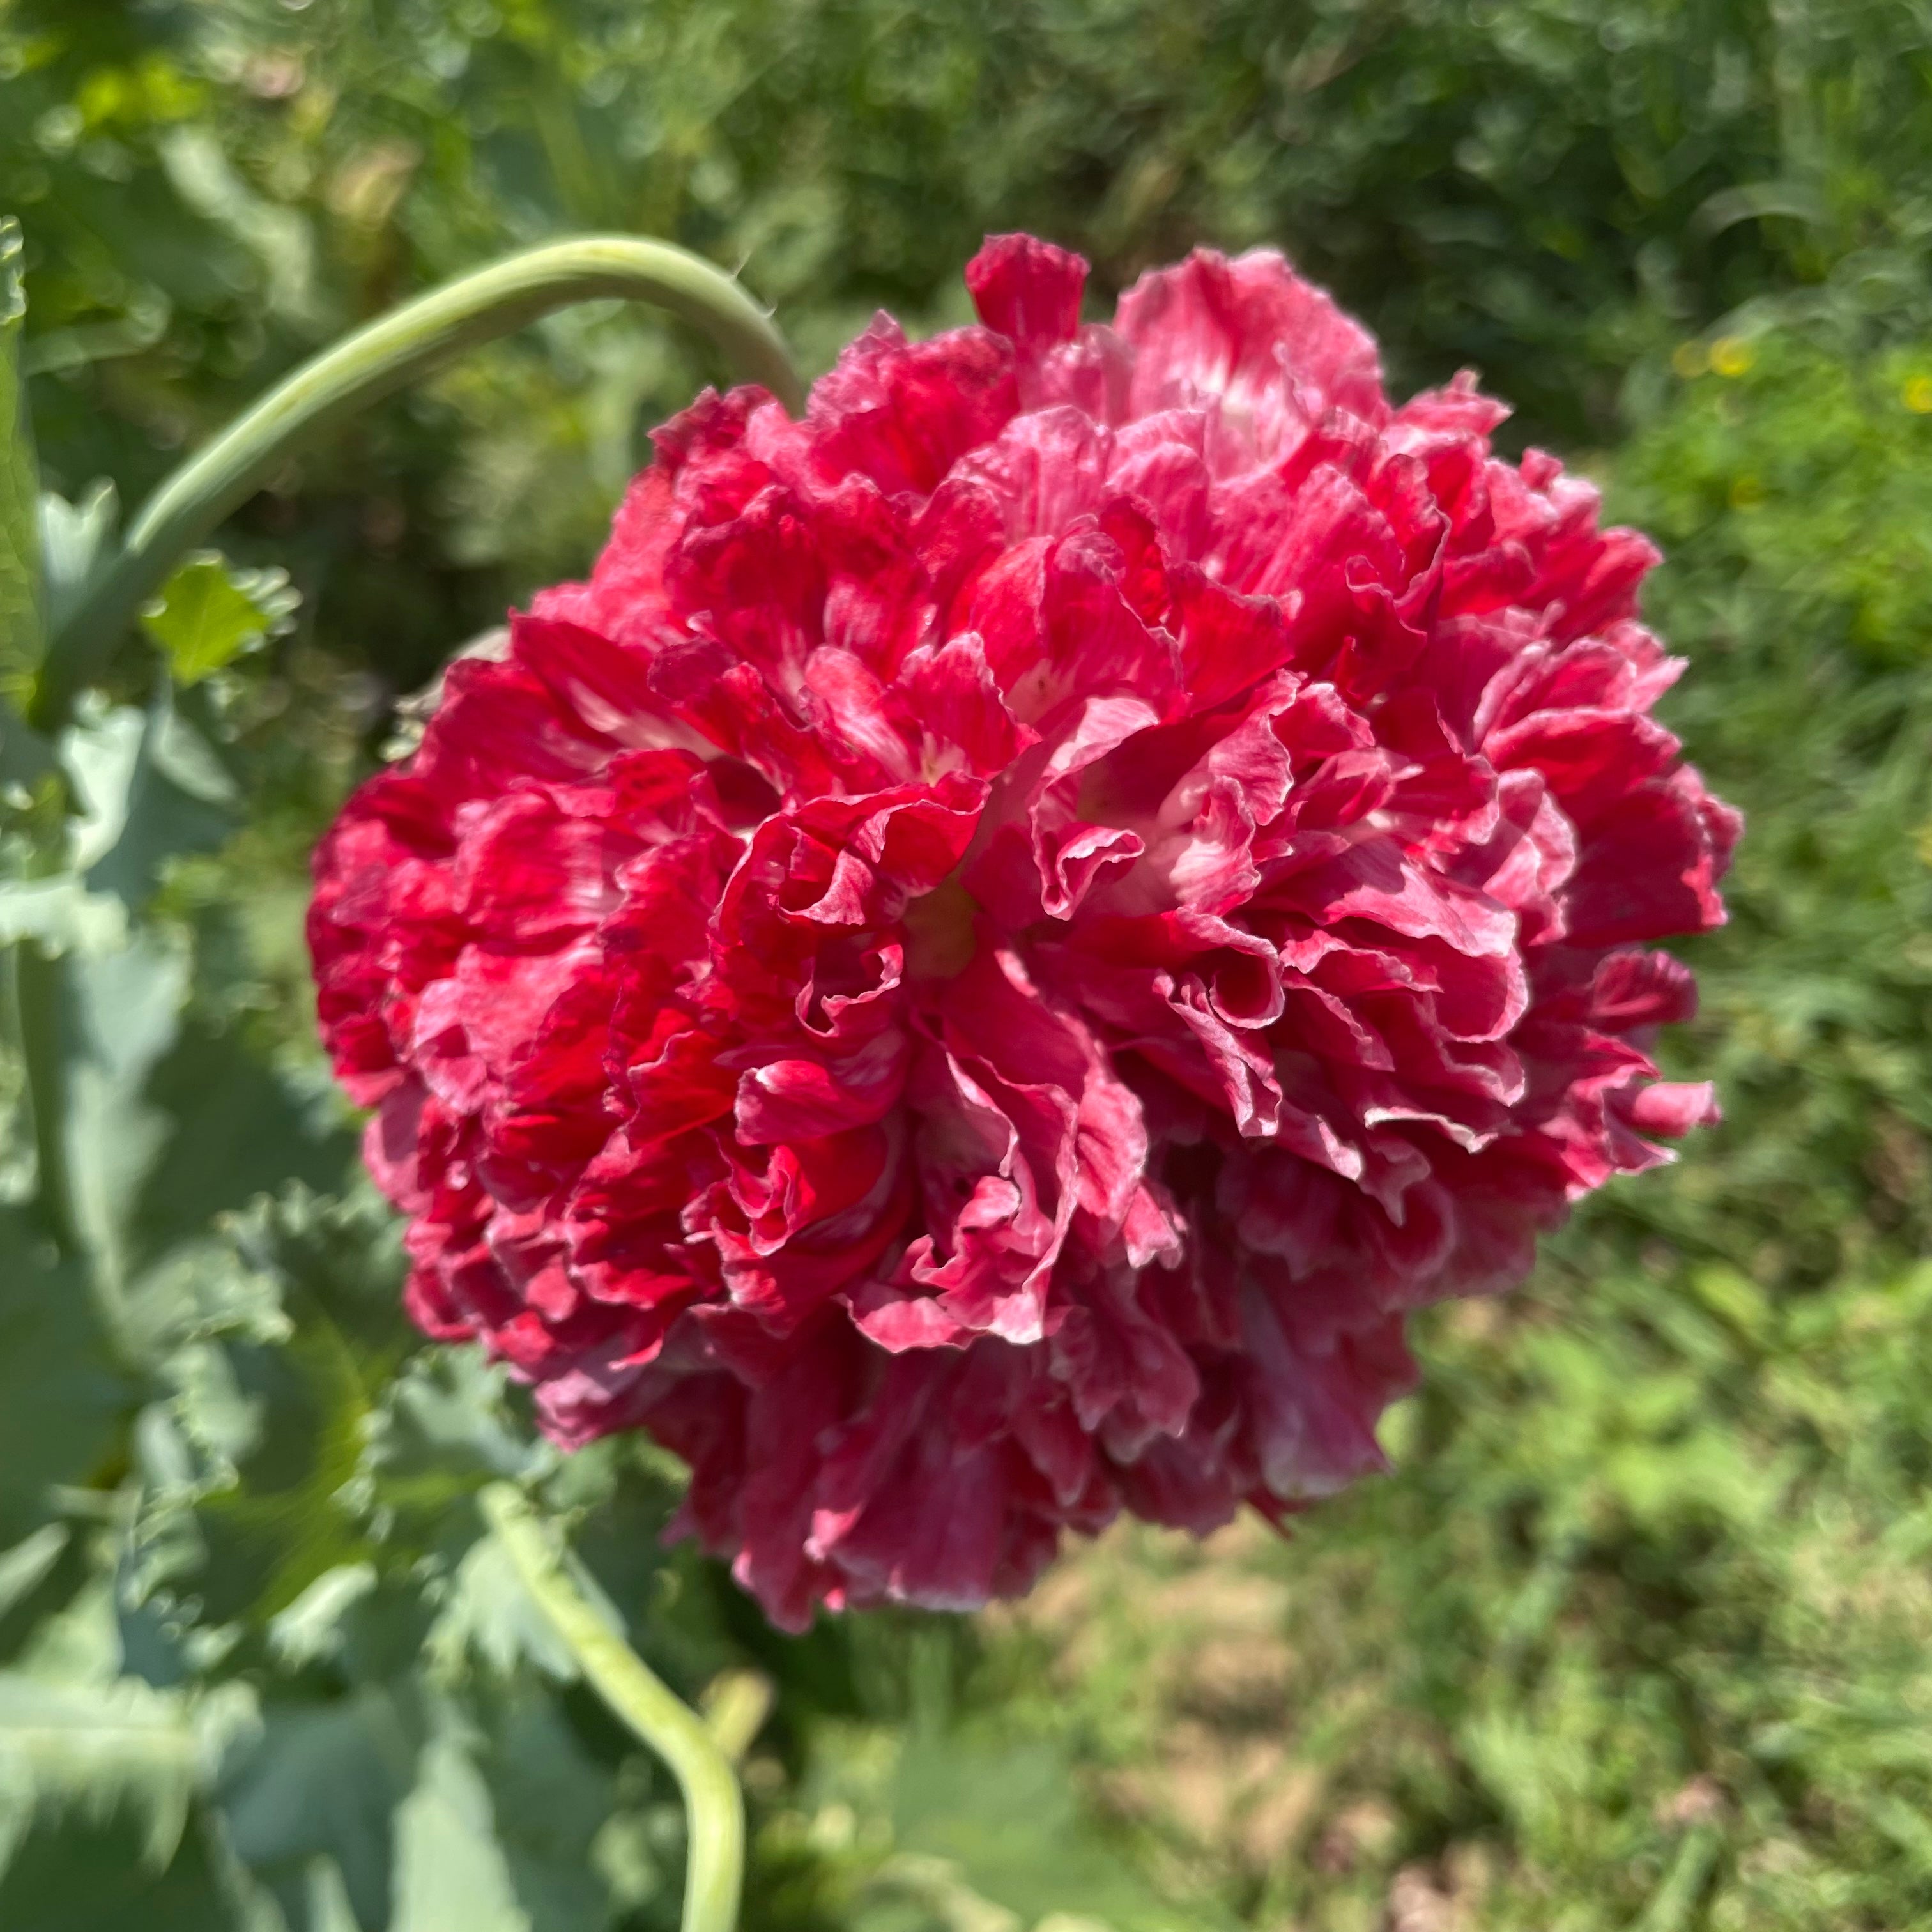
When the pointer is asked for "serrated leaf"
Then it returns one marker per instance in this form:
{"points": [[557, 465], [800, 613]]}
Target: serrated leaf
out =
{"points": [[344, 1256], [450, 1869], [102, 1750], [442, 1431], [278, 1413], [74, 541], [117, 1014], [25, 1566], [282, 1520], [323, 1781], [61, 1401], [83, 1877], [176, 799], [43, 1571], [240, 1132], [551, 1799], [162, 1129], [310, 1629], [209, 612], [199, 1291], [488, 1618], [99, 754], [21, 611], [1006, 1817], [60, 914]]}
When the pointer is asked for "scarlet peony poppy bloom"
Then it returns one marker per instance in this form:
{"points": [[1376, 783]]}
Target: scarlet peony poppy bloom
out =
{"points": [[971, 977]]}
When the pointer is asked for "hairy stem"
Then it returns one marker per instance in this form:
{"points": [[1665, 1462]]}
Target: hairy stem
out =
{"points": [[714, 1871], [372, 363]]}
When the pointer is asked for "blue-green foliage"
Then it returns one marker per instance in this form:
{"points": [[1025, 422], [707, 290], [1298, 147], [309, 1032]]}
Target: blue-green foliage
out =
{"points": [[1636, 1635]]}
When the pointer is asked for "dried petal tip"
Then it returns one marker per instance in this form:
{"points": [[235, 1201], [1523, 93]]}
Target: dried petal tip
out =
{"points": [[973, 974]]}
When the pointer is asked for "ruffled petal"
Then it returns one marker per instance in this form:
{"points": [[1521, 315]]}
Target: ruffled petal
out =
{"points": [[969, 978]]}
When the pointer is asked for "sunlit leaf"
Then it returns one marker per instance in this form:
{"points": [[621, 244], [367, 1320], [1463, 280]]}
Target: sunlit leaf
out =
{"points": [[97, 1749], [28, 1563], [209, 612], [309, 1631], [61, 914], [1006, 1817], [178, 799], [450, 1868], [74, 541]]}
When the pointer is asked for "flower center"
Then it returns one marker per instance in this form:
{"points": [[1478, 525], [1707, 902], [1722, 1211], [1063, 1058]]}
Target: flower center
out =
{"points": [[939, 929]]}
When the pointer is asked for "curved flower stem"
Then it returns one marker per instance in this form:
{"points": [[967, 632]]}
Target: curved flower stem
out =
{"points": [[714, 1871], [370, 363]]}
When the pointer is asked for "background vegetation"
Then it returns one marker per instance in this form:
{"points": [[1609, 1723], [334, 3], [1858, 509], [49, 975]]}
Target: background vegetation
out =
{"points": [[1638, 1634]]}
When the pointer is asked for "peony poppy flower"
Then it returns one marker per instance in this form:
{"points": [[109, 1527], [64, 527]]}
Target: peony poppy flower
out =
{"points": [[971, 977]]}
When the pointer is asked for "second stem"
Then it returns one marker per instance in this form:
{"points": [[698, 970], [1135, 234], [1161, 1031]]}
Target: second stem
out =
{"points": [[714, 1806]]}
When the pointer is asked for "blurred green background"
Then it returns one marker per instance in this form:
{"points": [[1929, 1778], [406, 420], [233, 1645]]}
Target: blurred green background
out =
{"points": [[1639, 1632]]}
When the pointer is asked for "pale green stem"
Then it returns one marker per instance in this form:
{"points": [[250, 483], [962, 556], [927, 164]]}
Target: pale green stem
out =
{"points": [[36, 993], [372, 363], [736, 1704], [714, 1872]]}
